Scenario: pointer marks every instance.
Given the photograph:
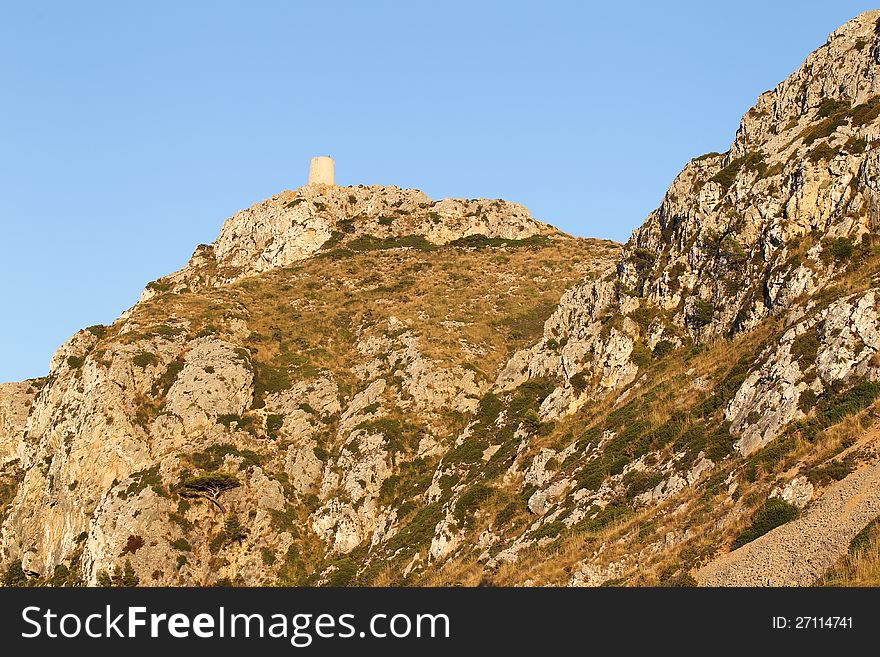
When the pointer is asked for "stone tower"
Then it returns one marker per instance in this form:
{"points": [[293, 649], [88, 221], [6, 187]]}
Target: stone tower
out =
{"points": [[321, 171]]}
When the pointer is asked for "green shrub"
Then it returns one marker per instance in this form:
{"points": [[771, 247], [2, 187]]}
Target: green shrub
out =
{"points": [[862, 540], [268, 379], [169, 376], [604, 517], [470, 451], [506, 514], [470, 501], [681, 579], [866, 112], [229, 419], [75, 362], [212, 457], [774, 513], [418, 531], [805, 349], [267, 556], [548, 530], [638, 482], [822, 152], [233, 529], [274, 422], [640, 355], [344, 574], [370, 243], [181, 545], [531, 418], [579, 382], [480, 241], [831, 106], [833, 471], [145, 358], [841, 248], [663, 349], [14, 575], [702, 312], [98, 330], [835, 406], [807, 400], [642, 259]]}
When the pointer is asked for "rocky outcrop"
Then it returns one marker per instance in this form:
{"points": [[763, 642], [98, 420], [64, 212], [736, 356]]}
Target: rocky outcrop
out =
{"points": [[15, 404], [294, 225], [830, 347]]}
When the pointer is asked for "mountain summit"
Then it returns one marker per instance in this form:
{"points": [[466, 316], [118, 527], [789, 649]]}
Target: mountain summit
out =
{"points": [[362, 386]]}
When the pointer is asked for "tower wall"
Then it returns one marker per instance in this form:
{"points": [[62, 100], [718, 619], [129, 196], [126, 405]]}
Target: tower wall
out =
{"points": [[321, 171]]}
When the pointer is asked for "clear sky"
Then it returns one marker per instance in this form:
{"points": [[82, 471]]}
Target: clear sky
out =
{"points": [[130, 131]]}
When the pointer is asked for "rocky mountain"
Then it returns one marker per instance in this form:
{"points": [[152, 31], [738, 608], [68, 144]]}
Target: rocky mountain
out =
{"points": [[362, 386]]}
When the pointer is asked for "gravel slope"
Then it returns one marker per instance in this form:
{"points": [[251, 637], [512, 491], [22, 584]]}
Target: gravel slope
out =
{"points": [[799, 552]]}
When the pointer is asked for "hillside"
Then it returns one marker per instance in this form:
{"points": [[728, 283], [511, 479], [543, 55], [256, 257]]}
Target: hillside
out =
{"points": [[362, 386]]}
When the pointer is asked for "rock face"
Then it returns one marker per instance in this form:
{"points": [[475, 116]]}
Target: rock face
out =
{"points": [[363, 386]]}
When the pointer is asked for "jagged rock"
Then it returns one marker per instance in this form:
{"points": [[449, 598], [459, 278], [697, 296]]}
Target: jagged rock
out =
{"points": [[799, 491], [215, 380]]}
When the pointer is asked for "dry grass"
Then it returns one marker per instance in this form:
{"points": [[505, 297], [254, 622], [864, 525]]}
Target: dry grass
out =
{"points": [[861, 566]]}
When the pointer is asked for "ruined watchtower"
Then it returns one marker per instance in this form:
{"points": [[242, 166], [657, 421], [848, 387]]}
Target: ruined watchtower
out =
{"points": [[321, 171]]}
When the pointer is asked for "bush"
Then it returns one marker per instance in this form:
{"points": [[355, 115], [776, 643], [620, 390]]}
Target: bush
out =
{"points": [[807, 400], [268, 380], [344, 574], [233, 530], [604, 517], [480, 241], [163, 383], [862, 540], [681, 579], [663, 349], [866, 112], [637, 482], [640, 355], [702, 312], [370, 243], [548, 530], [14, 575], [470, 501], [124, 576], [75, 362], [579, 382], [145, 358], [774, 513], [830, 107], [833, 471], [181, 545], [133, 544], [805, 349], [822, 152], [841, 249], [835, 406], [213, 456], [268, 557], [531, 418], [274, 422]]}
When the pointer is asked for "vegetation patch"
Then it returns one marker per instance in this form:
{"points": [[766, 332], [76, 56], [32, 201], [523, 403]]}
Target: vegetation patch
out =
{"points": [[774, 513]]}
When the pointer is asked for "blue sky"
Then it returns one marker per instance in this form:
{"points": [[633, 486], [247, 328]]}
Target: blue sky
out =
{"points": [[130, 131]]}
